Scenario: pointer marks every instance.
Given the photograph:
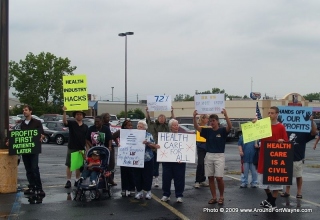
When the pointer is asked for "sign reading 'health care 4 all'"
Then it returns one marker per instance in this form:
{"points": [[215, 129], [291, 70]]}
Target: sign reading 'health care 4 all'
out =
{"points": [[209, 103], [75, 92]]}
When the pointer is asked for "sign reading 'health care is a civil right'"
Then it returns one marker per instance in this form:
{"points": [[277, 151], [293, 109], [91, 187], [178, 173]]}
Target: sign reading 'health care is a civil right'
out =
{"points": [[75, 92]]}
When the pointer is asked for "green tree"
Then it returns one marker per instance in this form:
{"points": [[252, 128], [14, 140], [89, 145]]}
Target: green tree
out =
{"points": [[312, 96], [133, 114], [37, 81]]}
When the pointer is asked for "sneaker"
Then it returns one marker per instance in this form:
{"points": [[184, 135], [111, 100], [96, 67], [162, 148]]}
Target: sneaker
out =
{"points": [[139, 195], [165, 199], [68, 184], [179, 200], [265, 204], [76, 182], [243, 186], [197, 185], [204, 184], [123, 193], [156, 182], [254, 186], [29, 192], [132, 193], [148, 195], [41, 193], [93, 183]]}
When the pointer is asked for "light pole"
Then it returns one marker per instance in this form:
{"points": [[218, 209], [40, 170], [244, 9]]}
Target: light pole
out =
{"points": [[112, 92], [125, 72]]}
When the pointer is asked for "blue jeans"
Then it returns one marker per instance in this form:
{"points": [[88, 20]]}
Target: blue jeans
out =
{"points": [[93, 174], [175, 171], [33, 174], [252, 168]]}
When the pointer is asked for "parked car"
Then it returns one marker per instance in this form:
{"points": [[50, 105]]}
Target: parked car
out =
{"points": [[114, 120], [52, 117], [56, 126], [317, 121], [33, 116], [189, 126], [58, 137], [183, 129]]}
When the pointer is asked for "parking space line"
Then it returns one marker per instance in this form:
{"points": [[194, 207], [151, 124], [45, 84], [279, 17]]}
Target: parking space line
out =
{"points": [[173, 210]]}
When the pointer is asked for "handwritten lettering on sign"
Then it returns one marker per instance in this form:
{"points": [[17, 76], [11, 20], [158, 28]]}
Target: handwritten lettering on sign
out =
{"points": [[159, 103], [278, 163], [296, 119], [209, 103], [255, 131], [176, 147], [75, 92], [131, 150]]}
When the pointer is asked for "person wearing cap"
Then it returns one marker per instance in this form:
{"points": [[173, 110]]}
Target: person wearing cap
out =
{"points": [[94, 160], [77, 140], [215, 146]]}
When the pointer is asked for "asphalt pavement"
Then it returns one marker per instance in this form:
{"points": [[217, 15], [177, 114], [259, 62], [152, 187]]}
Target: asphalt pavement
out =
{"points": [[239, 203]]}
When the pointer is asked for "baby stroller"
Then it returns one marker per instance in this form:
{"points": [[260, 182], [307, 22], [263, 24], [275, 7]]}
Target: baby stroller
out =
{"points": [[87, 192]]}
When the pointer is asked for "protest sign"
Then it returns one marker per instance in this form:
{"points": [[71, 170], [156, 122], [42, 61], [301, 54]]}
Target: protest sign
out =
{"points": [[76, 160], [131, 150], [159, 103], [75, 92], [209, 103], [176, 147], [278, 163], [255, 131], [24, 142], [295, 118]]}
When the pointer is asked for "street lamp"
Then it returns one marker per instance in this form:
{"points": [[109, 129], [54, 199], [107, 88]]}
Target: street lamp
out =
{"points": [[125, 71], [112, 92]]}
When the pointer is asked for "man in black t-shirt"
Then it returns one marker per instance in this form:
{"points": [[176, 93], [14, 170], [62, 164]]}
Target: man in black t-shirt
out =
{"points": [[299, 141], [77, 140], [99, 134]]}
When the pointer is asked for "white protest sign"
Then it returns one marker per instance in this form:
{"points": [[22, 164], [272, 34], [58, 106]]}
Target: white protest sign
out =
{"points": [[209, 103], [159, 103], [131, 150], [176, 147]]}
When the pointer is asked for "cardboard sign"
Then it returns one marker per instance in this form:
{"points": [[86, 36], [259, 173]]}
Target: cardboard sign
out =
{"points": [[131, 150], [76, 160], [278, 163], [176, 147], [75, 92], [255, 131], [295, 119], [209, 103], [24, 142], [159, 103]]}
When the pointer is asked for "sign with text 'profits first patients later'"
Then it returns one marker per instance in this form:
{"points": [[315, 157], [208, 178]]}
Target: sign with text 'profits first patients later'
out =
{"points": [[75, 94], [24, 142]]}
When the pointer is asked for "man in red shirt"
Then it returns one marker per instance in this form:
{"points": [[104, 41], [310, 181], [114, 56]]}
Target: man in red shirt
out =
{"points": [[278, 134]]}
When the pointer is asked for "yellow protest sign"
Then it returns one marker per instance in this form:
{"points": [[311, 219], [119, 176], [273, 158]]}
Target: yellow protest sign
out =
{"points": [[255, 131], [75, 92]]}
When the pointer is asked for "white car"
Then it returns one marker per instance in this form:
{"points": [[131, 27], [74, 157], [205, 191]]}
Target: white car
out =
{"points": [[189, 126], [33, 116]]}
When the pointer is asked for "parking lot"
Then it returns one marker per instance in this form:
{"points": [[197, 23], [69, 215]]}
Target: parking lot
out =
{"points": [[58, 203]]}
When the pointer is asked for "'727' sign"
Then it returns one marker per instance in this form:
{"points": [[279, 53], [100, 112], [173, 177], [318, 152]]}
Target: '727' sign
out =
{"points": [[159, 102]]}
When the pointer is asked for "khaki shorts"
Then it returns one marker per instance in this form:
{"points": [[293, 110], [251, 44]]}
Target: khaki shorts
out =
{"points": [[297, 168], [214, 164], [68, 159], [270, 187]]}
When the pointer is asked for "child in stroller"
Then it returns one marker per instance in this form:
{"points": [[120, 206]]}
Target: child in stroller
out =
{"points": [[99, 175]]}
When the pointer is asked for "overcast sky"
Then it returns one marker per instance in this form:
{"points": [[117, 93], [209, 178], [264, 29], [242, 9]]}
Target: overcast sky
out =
{"points": [[178, 46]]}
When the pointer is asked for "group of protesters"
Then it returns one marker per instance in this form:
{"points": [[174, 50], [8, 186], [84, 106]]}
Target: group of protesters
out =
{"points": [[211, 141]]}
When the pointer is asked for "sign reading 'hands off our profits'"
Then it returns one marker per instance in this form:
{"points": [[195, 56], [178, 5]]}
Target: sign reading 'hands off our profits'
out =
{"points": [[159, 103], [295, 118], [176, 147], [131, 150], [75, 92], [255, 131], [209, 103], [24, 142]]}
